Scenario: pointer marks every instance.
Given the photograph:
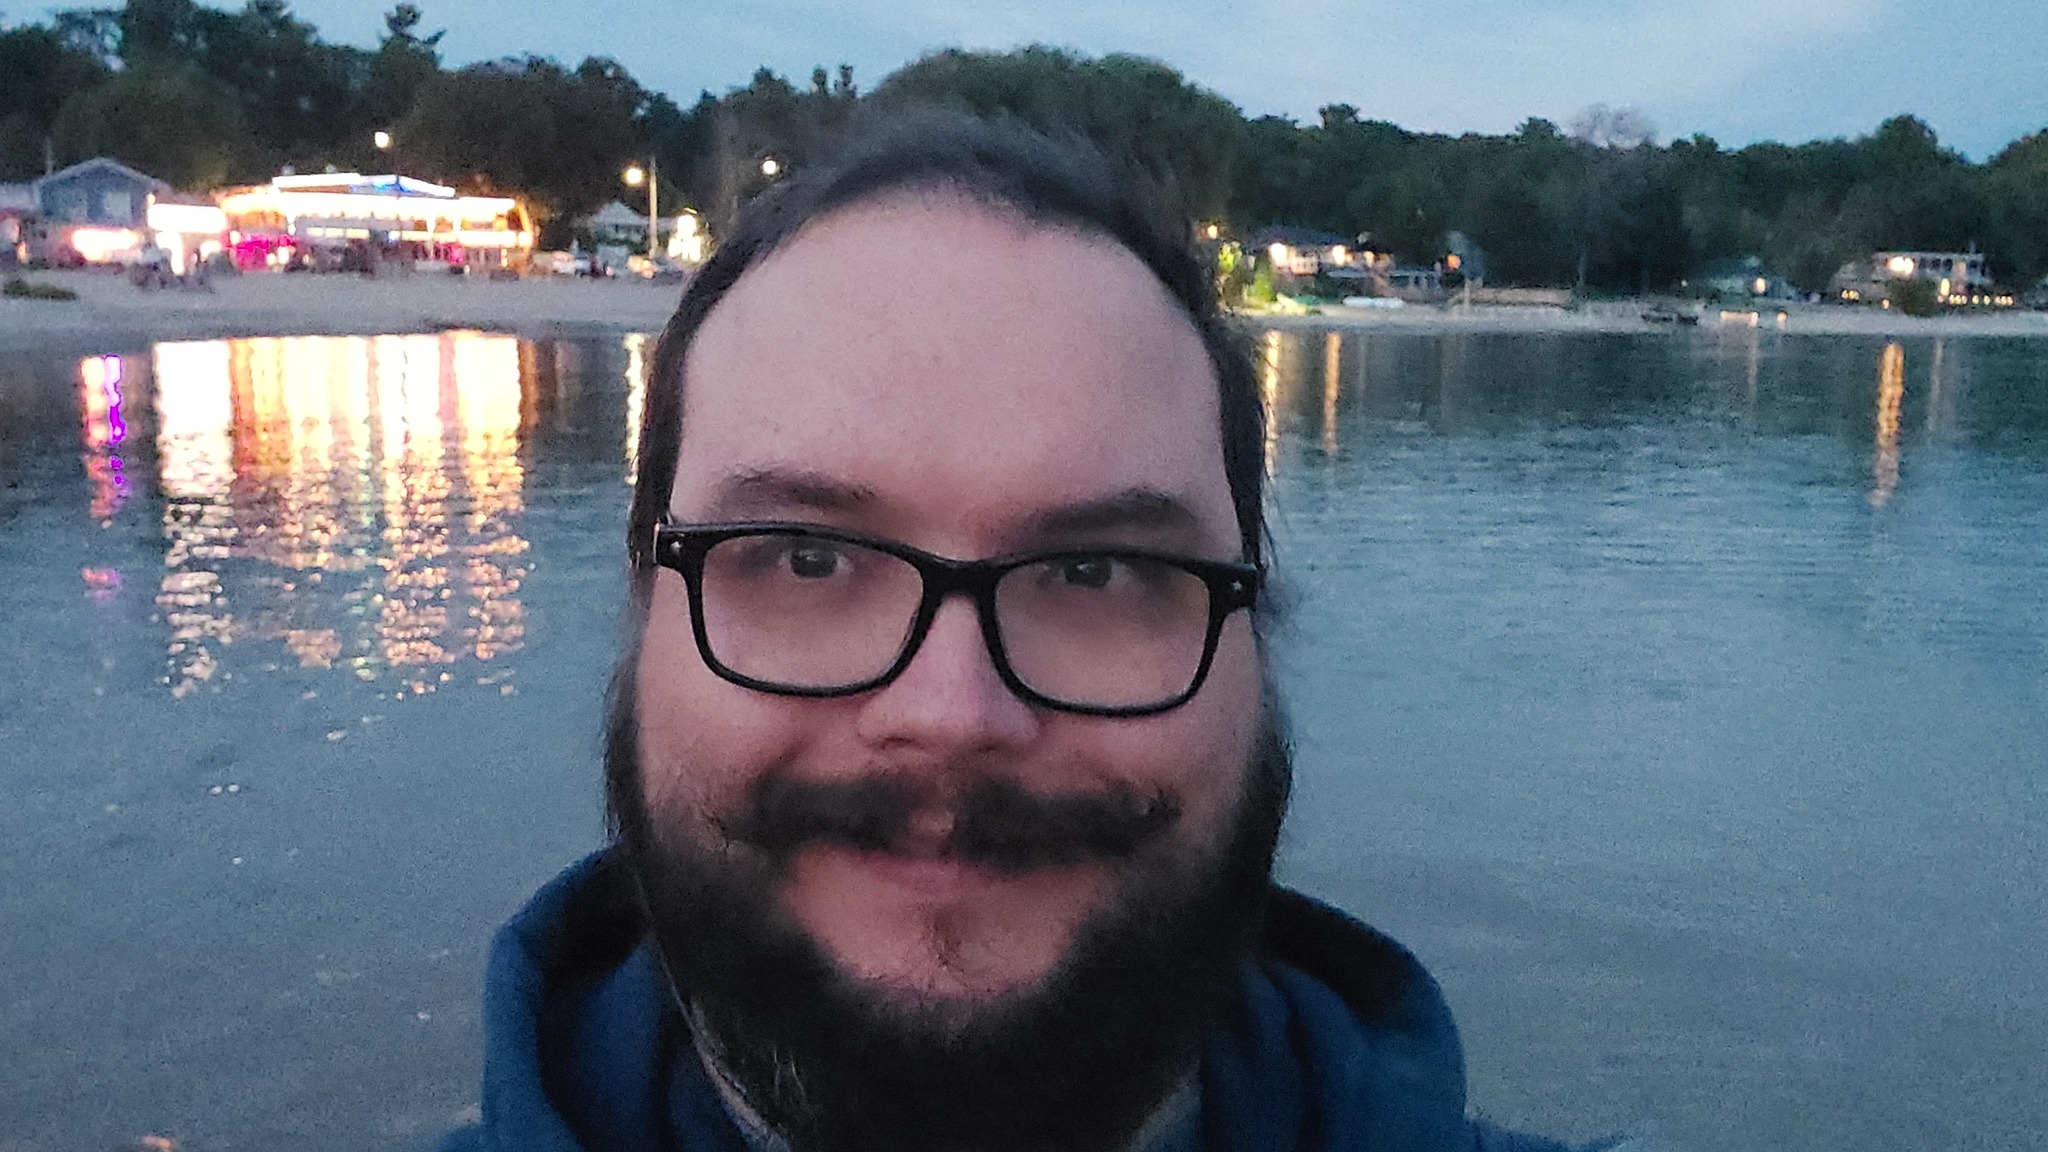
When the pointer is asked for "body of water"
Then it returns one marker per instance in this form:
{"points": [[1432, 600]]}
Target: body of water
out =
{"points": [[1681, 700]]}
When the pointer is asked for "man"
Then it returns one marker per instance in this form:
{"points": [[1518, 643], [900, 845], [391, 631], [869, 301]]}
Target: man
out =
{"points": [[944, 764]]}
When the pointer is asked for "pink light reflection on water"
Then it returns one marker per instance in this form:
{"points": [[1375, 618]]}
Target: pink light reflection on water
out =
{"points": [[110, 384], [106, 428]]}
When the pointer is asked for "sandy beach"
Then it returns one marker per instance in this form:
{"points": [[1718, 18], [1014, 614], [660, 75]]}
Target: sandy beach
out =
{"points": [[108, 309], [275, 304]]}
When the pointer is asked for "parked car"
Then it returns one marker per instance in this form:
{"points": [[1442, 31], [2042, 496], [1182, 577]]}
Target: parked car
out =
{"points": [[561, 263]]}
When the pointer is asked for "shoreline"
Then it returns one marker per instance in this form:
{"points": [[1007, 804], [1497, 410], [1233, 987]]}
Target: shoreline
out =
{"points": [[1627, 317], [109, 313]]}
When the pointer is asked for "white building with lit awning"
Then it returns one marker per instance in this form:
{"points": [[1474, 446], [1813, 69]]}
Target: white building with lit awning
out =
{"points": [[385, 218]]}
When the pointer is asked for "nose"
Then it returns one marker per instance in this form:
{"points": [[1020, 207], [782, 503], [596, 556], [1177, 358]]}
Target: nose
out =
{"points": [[950, 700]]}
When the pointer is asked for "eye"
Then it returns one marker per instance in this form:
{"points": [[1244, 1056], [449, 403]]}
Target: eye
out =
{"points": [[1088, 572], [814, 561]]}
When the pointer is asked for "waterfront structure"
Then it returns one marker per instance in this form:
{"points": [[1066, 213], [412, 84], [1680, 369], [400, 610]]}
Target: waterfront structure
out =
{"points": [[1746, 278], [17, 208], [1308, 256], [346, 218], [616, 226], [94, 212], [187, 231], [1306, 251], [1958, 278]]}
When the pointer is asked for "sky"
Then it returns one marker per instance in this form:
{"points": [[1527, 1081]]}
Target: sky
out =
{"points": [[1737, 70]]}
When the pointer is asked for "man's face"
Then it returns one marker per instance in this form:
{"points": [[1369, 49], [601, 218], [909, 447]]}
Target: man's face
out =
{"points": [[931, 371]]}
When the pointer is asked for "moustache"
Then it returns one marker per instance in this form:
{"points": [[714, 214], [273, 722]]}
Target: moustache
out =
{"points": [[995, 823]]}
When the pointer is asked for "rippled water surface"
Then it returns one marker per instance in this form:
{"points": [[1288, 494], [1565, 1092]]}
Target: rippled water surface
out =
{"points": [[1682, 700]]}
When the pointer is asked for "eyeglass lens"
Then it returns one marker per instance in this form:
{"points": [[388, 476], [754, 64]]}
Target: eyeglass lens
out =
{"points": [[815, 614]]}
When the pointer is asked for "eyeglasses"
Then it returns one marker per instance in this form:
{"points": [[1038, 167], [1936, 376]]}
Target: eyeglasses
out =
{"points": [[804, 610]]}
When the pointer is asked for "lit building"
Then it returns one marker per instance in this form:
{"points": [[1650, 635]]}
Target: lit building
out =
{"points": [[1957, 277], [1740, 280], [616, 226], [94, 212], [17, 208], [1306, 251], [188, 233], [1305, 254], [321, 218]]}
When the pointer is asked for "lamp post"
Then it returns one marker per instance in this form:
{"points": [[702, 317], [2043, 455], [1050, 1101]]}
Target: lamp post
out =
{"points": [[652, 176]]}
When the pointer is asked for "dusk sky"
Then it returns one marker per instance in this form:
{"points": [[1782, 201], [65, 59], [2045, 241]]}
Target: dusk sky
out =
{"points": [[1739, 70]]}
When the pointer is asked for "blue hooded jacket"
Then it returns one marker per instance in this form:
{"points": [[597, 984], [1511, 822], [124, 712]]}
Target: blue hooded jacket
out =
{"points": [[1339, 1041]]}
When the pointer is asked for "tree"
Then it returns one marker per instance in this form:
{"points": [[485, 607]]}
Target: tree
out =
{"points": [[39, 69], [725, 140], [199, 94], [1603, 127], [529, 127], [2016, 188], [402, 67], [163, 119]]}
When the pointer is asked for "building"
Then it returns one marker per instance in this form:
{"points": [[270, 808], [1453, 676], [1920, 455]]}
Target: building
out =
{"points": [[1957, 277], [94, 212], [1743, 279], [1306, 252], [17, 209], [188, 231], [616, 224], [1311, 259], [619, 227], [344, 219]]}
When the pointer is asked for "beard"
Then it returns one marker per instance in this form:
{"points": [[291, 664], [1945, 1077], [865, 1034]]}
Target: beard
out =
{"points": [[1076, 1062]]}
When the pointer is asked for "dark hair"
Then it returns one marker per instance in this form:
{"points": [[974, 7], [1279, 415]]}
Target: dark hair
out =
{"points": [[1009, 167]]}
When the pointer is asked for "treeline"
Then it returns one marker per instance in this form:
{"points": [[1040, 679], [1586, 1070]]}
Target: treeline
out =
{"points": [[203, 97]]}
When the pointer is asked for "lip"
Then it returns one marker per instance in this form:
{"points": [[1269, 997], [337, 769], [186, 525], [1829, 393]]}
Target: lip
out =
{"points": [[924, 876]]}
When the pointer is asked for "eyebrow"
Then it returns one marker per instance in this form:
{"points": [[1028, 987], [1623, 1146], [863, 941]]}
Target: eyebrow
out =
{"points": [[756, 490], [771, 491], [1142, 509]]}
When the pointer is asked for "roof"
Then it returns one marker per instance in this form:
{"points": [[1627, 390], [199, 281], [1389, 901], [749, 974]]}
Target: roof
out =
{"points": [[1298, 237], [103, 163], [355, 183], [1922, 254], [616, 215], [17, 197]]}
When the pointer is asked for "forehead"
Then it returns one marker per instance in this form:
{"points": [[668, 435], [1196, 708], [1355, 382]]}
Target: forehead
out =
{"points": [[952, 370]]}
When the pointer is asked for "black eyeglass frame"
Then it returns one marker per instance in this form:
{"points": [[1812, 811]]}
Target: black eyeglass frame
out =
{"points": [[682, 548]]}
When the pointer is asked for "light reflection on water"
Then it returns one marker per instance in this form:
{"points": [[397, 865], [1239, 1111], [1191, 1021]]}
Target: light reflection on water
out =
{"points": [[636, 399], [352, 501], [1891, 390]]}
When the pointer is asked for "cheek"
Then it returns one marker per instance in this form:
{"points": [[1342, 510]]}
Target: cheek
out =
{"points": [[1199, 751], [702, 740]]}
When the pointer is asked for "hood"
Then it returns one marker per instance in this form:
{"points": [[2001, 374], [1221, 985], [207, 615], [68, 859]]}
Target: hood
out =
{"points": [[1340, 1039]]}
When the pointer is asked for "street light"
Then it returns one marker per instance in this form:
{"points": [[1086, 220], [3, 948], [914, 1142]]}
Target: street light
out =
{"points": [[770, 167], [634, 174], [382, 139]]}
